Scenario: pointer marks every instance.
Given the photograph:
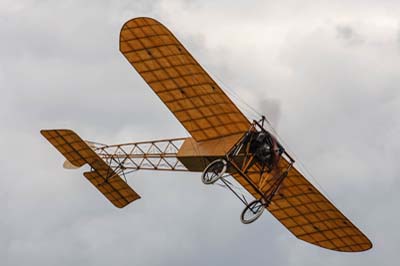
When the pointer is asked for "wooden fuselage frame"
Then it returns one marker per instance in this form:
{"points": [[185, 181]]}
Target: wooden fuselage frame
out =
{"points": [[195, 156]]}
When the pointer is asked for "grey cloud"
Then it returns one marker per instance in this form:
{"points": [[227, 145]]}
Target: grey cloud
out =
{"points": [[345, 32], [271, 108], [60, 67], [398, 37], [348, 34]]}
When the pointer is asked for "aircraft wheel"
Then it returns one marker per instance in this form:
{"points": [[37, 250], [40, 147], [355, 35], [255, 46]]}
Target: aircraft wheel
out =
{"points": [[252, 212], [214, 171]]}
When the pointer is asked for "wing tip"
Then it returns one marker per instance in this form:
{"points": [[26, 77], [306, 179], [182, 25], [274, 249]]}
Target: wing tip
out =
{"points": [[357, 247], [46, 131], [126, 204], [149, 21]]}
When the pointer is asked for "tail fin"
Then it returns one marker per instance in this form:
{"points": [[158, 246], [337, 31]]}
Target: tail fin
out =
{"points": [[68, 165]]}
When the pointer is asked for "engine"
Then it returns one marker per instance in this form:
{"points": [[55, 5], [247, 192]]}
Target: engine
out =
{"points": [[265, 149]]}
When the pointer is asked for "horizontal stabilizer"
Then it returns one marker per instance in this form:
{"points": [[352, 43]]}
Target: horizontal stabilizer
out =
{"points": [[70, 166], [114, 189], [102, 176]]}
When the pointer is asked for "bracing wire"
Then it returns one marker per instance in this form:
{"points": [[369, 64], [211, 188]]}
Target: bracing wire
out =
{"points": [[258, 114], [301, 164], [240, 100]]}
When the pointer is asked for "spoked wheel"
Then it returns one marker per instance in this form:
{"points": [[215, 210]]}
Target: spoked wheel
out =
{"points": [[214, 171], [252, 212]]}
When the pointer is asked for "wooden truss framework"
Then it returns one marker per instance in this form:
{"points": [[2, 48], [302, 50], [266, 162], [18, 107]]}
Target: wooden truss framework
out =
{"points": [[147, 155], [158, 155]]}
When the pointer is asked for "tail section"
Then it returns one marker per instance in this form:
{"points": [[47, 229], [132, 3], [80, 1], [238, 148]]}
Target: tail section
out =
{"points": [[78, 153]]}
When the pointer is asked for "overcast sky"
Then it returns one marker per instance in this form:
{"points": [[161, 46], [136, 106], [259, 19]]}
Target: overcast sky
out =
{"points": [[326, 73]]}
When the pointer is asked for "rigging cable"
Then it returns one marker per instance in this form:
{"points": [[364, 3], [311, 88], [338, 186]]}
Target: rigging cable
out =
{"points": [[258, 114]]}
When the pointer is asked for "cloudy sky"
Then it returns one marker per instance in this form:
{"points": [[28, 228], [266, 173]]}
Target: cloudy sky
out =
{"points": [[326, 73]]}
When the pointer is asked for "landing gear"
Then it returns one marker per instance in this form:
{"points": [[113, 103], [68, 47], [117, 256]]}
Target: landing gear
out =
{"points": [[214, 171], [254, 165], [252, 212]]}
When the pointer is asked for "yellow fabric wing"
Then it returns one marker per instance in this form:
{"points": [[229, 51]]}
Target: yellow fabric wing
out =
{"points": [[305, 212], [181, 83]]}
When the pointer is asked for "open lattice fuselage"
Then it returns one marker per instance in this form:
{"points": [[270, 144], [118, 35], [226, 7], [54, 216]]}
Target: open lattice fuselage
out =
{"points": [[187, 154]]}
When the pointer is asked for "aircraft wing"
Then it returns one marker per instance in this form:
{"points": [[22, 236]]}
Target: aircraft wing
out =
{"points": [[305, 212], [181, 83]]}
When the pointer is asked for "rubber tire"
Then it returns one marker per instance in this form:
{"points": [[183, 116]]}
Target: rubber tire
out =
{"points": [[256, 215], [212, 181]]}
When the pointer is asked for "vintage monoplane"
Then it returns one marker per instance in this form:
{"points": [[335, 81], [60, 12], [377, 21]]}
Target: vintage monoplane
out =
{"points": [[224, 145]]}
